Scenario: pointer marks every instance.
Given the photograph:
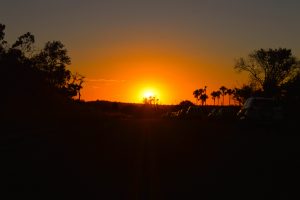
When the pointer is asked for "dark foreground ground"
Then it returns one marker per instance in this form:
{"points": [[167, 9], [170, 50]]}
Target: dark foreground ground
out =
{"points": [[148, 159]]}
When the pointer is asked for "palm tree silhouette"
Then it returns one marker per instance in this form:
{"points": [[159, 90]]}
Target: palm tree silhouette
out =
{"points": [[214, 95], [218, 94], [203, 98], [197, 93], [223, 90], [229, 92]]}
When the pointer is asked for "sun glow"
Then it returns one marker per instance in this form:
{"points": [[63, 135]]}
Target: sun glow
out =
{"points": [[148, 93]]}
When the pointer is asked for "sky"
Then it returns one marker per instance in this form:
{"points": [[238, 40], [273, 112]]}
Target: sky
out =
{"points": [[169, 47]]}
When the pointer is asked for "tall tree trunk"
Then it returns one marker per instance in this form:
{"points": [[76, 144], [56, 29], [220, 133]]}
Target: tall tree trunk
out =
{"points": [[223, 100]]}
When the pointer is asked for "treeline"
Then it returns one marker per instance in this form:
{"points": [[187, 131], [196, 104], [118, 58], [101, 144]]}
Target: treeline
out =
{"points": [[272, 73], [235, 95], [27, 72]]}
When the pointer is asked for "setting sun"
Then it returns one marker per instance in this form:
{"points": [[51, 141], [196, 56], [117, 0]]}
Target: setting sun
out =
{"points": [[148, 93]]}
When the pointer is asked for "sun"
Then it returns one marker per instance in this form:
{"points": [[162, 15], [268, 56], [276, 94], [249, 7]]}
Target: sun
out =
{"points": [[148, 93]]}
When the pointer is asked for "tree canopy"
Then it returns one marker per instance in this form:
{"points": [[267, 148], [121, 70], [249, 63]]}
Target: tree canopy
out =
{"points": [[269, 69], [22, 65]]}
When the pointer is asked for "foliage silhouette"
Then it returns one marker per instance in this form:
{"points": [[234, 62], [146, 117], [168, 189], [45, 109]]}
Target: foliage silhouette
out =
{"points": [[197, 94], [200, 94], [223, 90], [27, 72], [52, 62], [269, 69], [152, 100], [203, 98], [75, 85], [229, 92], [185, 104], [243, 93], [218, 95], [25, 44], [214, 95]]}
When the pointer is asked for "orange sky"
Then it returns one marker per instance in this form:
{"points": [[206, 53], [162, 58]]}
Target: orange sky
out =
{"points": [[172, 46], [124, 72]]}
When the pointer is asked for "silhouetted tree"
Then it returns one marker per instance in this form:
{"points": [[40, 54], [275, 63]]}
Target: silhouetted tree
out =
{"points": [[19, 79], [214, 95], [22, 66], [197, 94], [269, 68], [185, 104], [229, 92], [223, 90], [243, 93], [25, 44], [2, 33], [52, 62], [152, 100], [206, 96], [203, 98], [74, 86], [218, 95], [2, 41]]}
